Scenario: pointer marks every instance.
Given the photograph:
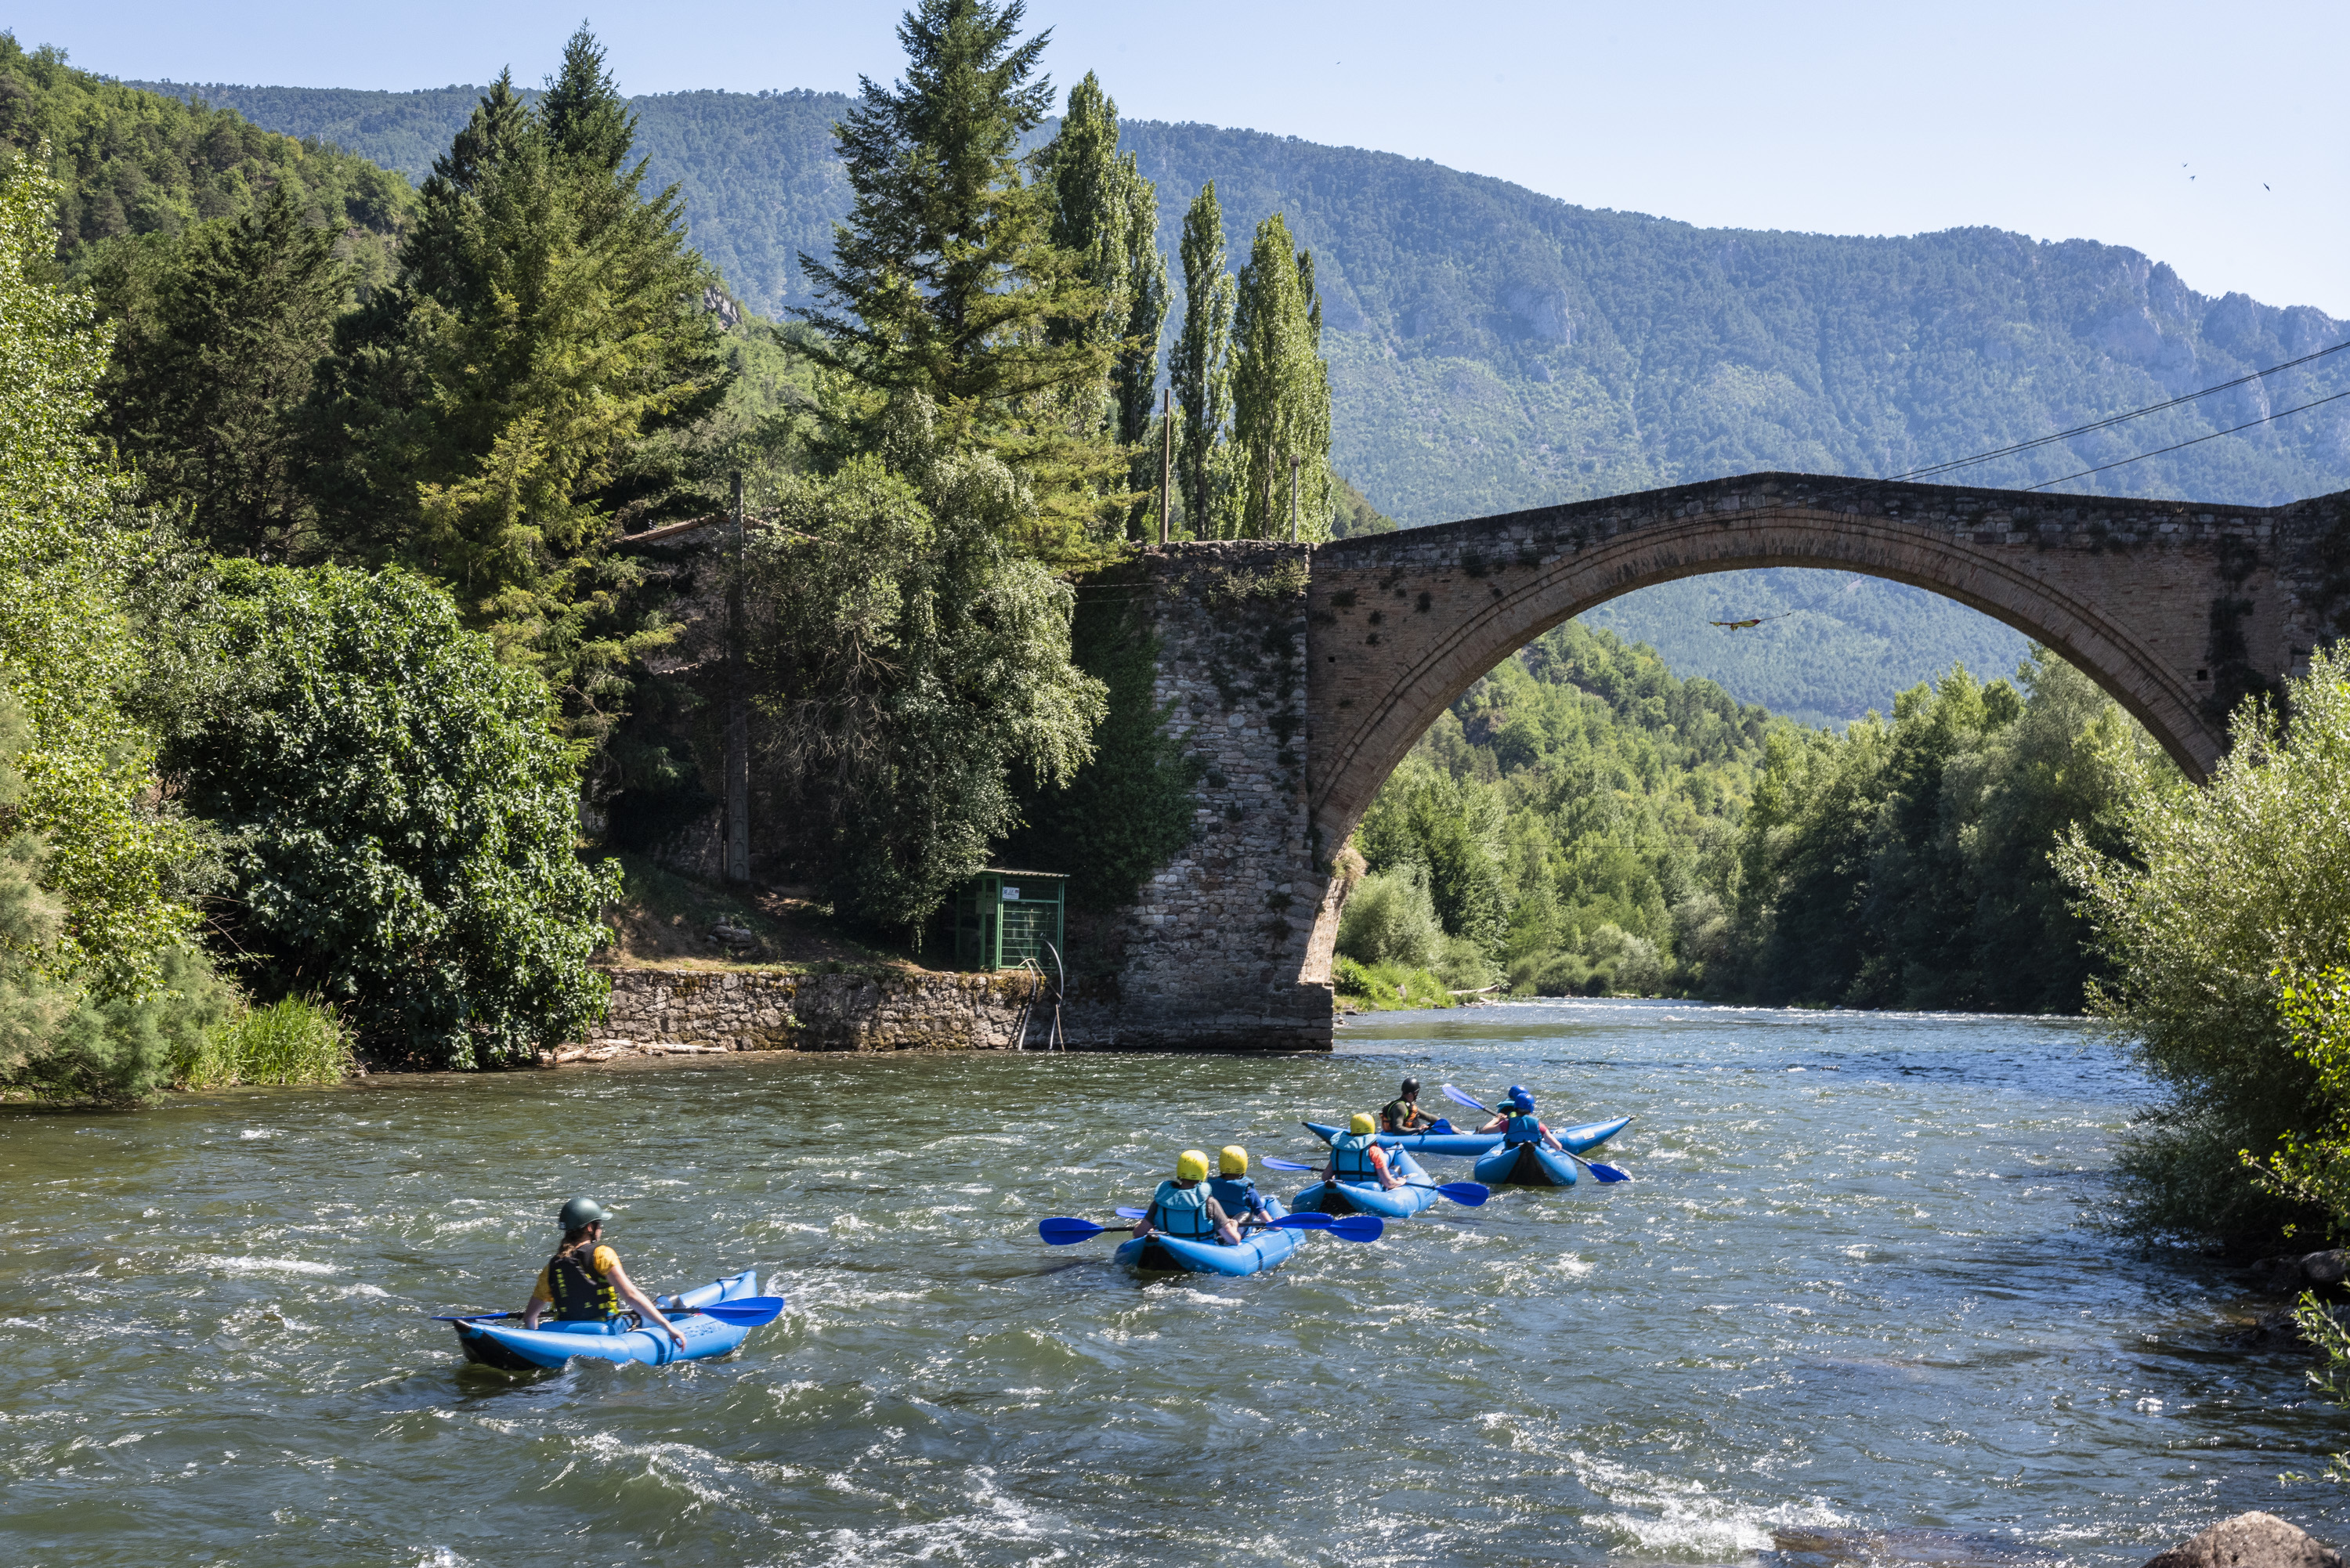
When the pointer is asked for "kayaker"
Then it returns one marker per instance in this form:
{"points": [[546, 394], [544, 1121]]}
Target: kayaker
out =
{"points": [[1516, 1122], [1235, 1190], [1403, 1114], [1185, 1209], [1356, 1156], [583, 1282]]}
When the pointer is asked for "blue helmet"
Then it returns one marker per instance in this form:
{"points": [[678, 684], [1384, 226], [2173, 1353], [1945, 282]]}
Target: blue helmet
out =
{"points": [[1524, 1102]]}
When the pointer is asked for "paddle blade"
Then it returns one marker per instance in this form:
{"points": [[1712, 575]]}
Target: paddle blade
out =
{"points": [[1272, 1162], [1358, 1227], [1440, 1125], [1608, 1173], [1132, 1213], [1468, 1194], [1307, 1221], [749, 1312], [1060, 1232], [1457, 1098]]}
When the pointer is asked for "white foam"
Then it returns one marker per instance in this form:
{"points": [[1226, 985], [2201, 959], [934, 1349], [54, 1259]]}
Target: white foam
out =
{"points": [[251, 1133], [266, 1265]]}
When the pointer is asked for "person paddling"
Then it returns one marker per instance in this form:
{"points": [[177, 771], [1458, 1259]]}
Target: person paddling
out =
{"points": [[1233, 1189], [1356, 1156], [583, 1282], [1403, 1114], [1185, 1209], [1516, 1122]]}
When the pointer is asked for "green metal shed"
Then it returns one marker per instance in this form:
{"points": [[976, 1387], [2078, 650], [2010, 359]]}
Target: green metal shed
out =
{"points": [[1005, 918]]}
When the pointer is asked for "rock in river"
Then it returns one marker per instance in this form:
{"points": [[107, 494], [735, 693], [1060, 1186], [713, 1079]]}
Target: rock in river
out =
{"points": [[2251, 1541]]}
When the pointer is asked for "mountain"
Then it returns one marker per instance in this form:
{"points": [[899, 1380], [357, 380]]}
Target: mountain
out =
{"points": [[1492, 349]]}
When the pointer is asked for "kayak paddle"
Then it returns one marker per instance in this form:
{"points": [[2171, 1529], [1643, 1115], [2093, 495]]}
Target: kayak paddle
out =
{"points": [[1468, 1194], [1602, 1173], [1062, 1232], [749, 1312]]}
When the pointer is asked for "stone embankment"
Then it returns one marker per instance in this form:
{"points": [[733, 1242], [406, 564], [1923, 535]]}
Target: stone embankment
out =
{"points": [[681, 1011]]}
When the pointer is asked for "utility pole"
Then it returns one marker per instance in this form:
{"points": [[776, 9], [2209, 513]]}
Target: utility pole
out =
{"points": [[1166, 466], [738, 718], [1293, 501]]}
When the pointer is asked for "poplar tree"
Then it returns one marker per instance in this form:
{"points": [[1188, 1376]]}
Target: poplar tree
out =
{"points": [[945, 281], [1201, 365], [210, 392], [1281, 390]]}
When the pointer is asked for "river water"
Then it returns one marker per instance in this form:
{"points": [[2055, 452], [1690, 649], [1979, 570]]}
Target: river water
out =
{"points": [[1850, 1310]]}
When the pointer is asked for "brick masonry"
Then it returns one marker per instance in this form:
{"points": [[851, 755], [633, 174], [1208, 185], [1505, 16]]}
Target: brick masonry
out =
{"points": [[769, 1009]]}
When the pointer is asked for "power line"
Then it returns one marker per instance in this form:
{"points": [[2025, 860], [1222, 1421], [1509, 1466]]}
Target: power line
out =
{"points": [[2198, 441], [2135, 413]]}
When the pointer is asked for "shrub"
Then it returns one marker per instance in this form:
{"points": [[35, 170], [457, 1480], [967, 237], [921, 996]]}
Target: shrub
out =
{"points": [[296, 1040], [402, 818], [2219, 892], [1390, 919]]}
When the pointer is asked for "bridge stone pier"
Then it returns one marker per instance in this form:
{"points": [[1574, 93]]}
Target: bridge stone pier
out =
{"points": [[1300, 676]]}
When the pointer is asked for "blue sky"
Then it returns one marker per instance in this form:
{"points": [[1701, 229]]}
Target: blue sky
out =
{"points": [[2210, 137]]}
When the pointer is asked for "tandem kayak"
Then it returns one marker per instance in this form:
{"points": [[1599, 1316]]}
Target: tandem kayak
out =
{"points": [[489, 1342], [1581, 1139], [1526, 1165], [1259, 1249], [1368, 1197]]}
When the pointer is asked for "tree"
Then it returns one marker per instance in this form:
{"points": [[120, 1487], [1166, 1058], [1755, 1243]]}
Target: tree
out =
{"points": [[2220, 900], [1200, 368], [1281, 390], [906, 660], [945, 281], [492, 416], [211, 394], [402, 816]]}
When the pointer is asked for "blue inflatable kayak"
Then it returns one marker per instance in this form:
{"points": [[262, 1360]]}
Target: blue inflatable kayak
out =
{"points": [[1369, 1196], [1581, 1139], [489, 1341], [1527, 1164], [1259, 1249]]}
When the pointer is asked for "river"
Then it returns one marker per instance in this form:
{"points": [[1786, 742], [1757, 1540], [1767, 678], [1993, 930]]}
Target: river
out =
{"points": [[1850, 1310]]}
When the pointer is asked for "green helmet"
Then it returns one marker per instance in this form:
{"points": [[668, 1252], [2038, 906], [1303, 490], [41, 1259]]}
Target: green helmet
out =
{"points": [[582, 1212]]}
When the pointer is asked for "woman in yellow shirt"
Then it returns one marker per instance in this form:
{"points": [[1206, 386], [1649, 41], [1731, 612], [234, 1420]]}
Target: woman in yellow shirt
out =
{"points": [[583, 1282]]}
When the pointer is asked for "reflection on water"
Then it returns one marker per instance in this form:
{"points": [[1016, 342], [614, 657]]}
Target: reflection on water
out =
{"points": [[1850, 1313]]}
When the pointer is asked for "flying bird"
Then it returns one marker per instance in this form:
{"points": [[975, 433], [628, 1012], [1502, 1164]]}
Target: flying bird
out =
{"points": [[1743, 625]]}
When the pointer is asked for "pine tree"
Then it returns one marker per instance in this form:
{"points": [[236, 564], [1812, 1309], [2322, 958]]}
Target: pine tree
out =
{"points": [[945, 281], [1281, 390], [1201, 366], [210, 394]]}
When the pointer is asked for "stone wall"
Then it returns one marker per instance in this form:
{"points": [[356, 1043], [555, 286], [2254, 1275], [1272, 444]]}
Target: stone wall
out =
{"points": [[1212, 956], [763, 1010]]}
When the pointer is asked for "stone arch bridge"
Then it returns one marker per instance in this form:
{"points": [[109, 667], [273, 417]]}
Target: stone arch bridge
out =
{"points": [[1300, 675]]}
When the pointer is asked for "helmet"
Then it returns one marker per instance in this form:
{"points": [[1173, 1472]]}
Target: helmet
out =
{"points": [[1517, 1091], [1191, 1164], [582, 1212], [1362, 1124], [1233, 1160], [1523, 1101], [1411, 1086]]}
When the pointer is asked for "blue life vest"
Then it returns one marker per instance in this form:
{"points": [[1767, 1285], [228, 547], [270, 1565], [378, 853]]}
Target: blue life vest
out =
{"points": [[1236, 1195], [1182, 1211], [1522, 1129], [1350, 1157]]}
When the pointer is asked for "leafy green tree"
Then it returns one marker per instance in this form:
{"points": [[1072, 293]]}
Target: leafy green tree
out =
{"points": [[402, 817], [1200, 371], [1281, 390], [945, 281], [490, 416], [208, 397], [908, 659], [2222, 899]]}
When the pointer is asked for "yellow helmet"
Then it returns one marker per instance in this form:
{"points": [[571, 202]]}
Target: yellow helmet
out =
{"points": [[1232, 1161], [1191, 1164], [1362, 1124]]}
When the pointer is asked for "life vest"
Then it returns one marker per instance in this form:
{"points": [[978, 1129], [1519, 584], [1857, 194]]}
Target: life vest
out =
{"points": [[1520, 1129], [581, 1292], [1182, 1211], [1350, 1157], [1236, 1195]]}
